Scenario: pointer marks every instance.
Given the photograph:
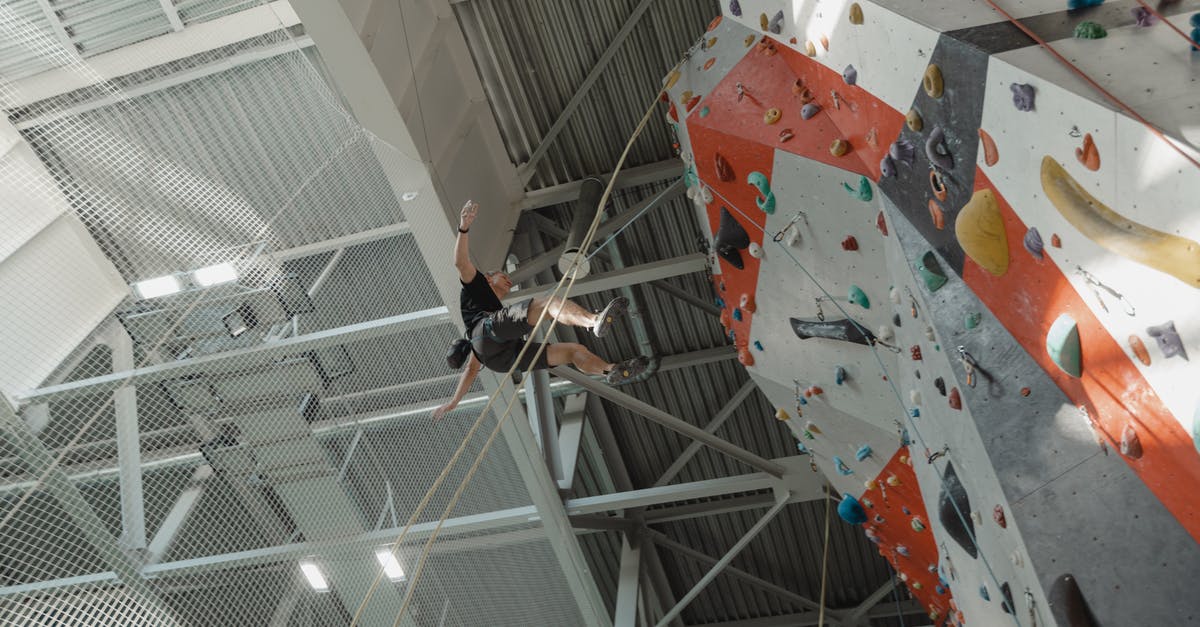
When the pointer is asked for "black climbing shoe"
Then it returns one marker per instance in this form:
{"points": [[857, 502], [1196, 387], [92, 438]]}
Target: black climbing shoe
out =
{"points": [[627, 370], [615, 308]]}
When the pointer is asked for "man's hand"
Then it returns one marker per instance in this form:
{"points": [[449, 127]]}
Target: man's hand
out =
{"points": [[440, 412], [467, 216]]}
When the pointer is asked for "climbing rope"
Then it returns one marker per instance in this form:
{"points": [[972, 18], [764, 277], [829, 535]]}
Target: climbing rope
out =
{"points": [[896, 595], [824, 561], [963, 517], [567, 282], [1162, 18], [1104, 92]]}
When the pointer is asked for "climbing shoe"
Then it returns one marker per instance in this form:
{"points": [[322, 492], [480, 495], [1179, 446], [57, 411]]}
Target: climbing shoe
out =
{"points": [[615, 308], [627, 370]]}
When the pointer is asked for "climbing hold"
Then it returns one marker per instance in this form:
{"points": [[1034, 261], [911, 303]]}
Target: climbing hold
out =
{"points": [[758, 345], [813, 390], [862, 453], [998, 516], [858, 297], [937, 215], [914, 397], [1088, 155], [673, 113], [929, 335], [1022, 96], [936, 184], [896, 320], [1143, 17], [810, 49], [955, 399], [747, 302], [763, 21], [936, 150], [1055, 240], [1033, 243], [1089, 30], [953, 505], [785, 135], [691, 103], [931, 272], [940, 384], [917, 524], [749, 40], [983, 593], [766, 198], [812, 426], [1165, 252], [915, 352], [781, 415], [1139, 350], [1168, 339], [871, 484], [735, 8], [864, 191], [845, 330], [825, 42], [724, 170], [880, 223], [703, 112], [932, 81], [903, 151], [850, 75], [1007, 603], [776, 25], [884, 332], [851, 511], [1062, 344], [990, 155], [809, 110], [1067, 605], [839, 375], [803, 450], [856, 14], [772, 115], [839, 147], [731, 237], [980, 232], [1131, 445], [672, 78], [744, 357], [894, 295], [755, 250], [1083, 4], [737, 315], [798, 86], [849, 243], [914, 121], [841, 466], [893, 480], [887, 166]]}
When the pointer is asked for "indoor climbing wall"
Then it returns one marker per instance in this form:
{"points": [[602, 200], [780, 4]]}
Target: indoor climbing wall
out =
{"points": [[966, 274]]}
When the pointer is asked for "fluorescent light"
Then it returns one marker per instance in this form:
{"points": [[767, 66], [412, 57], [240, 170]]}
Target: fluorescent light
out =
{"points": [[313, 574], [407, 196], [391, 566], [161, 286], [213, 275]]}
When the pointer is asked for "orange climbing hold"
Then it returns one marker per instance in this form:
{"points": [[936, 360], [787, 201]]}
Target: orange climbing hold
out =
{"points": [[990, 155], [824, 42], [937, 215], [1139, 350], [709, 63], [1088, 155]]}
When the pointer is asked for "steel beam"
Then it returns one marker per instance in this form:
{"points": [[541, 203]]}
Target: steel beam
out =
{"points": [[684, 264], [699, 303], [570, 434], [345, 241], [129, 454], [857, 614], [724, 561], [168, 7], [529, 168], [715, 507], [707, 488], [626, 178], [60, 31], [810, 619], [671, 422], [627, 584], [723, 414], [539, 404], [173, 523]]}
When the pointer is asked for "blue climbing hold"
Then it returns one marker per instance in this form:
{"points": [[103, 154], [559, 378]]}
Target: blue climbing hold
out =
{"points": [[737, 314], [904, 439], [800, 447], [803, 401], [720, 302], [839, 375], [758, 345], [983, 593], [1083, 4], [842, 468], [859, 297], [851, 511], [862, 453], [939, 590], [914, 412]]}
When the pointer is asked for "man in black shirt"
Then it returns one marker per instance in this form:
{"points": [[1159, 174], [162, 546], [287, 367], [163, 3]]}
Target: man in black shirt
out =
{"points": [[498, 333]]}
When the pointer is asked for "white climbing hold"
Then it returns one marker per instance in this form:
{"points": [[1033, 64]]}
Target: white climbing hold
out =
{"points": [[755, 250], [885, 333], [894, 295], [914, 396], [929, 334]]}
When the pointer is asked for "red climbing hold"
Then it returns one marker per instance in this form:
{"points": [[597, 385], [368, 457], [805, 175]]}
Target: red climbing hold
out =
{"points": [[724, 170], [998, 516], [1131, 445], [716, 21], [849, 243], [747, 303], [915, 351], [691, 104], [937, 215], [673, 113], [881, 224], [1025, 391], [1055, 240], [955, 399]]}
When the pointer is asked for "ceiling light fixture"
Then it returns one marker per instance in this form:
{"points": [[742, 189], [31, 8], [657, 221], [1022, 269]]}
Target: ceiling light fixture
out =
{"points": [[159, 286], [391, 565], [314, 576], [215, 274]]}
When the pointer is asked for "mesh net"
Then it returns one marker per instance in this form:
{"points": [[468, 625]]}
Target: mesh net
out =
{"points": [[182, 458]]}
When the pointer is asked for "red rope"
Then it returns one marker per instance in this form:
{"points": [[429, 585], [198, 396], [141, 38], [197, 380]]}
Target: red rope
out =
{"points": [[1080, 73], [1164, 20]]}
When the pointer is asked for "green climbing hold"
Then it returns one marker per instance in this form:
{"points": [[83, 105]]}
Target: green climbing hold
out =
{"points": [[859, 297], [973, 319], [1062, 344], [863, 193], [703, 112], [931, 272], [1090, 30]]}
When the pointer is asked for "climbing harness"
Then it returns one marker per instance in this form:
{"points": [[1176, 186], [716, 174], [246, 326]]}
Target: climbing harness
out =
{"points": [[1098, 286]]}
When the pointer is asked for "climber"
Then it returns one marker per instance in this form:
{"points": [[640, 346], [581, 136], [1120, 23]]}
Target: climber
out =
{"points": [[496, 334]]}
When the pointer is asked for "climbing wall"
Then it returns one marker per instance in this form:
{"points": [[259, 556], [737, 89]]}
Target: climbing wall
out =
{"points": [[968, 279]]}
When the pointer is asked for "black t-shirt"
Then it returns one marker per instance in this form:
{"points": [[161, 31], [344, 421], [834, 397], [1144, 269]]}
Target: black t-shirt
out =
{"points": [[477, 300]]}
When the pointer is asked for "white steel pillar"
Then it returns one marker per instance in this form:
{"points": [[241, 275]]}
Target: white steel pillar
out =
{"points": [[129, 453], [627, 584]]}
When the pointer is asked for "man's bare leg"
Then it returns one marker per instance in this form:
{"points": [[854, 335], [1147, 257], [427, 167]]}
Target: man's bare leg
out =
{"points": [[565, 311], [578, 355]]}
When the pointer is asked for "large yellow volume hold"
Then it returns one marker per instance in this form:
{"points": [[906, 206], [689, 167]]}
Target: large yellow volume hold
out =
{"points": [[1172, 254], [980, 231]]}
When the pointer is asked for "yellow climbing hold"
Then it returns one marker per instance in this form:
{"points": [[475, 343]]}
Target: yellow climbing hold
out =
{"points": [[980, 232], [810, 48], [763, 22], [782, 415], [672, 78], [1172, 254], [856, 14]]}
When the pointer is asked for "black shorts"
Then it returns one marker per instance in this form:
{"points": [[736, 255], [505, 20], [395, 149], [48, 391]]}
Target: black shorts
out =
{"points": [[497, 339]]}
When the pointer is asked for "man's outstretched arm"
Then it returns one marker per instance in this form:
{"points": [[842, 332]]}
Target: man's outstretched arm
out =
{"points": [[462, 249], [465, 380]]}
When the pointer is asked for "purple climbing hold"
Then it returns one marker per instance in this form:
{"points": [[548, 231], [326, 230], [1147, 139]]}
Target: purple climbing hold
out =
{"points": [[903, 151], [1168, 339], [809, 110], [1023, 96], [936, 150], [735, 8], [1143, 17], [887, 166], [776, 25], [850, 75], [1033, 242]]}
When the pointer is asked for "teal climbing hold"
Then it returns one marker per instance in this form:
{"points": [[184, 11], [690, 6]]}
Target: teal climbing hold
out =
{"points": [[703, 112], [766, 198], [1062, 343], [851, 511], [859, 297], [931, 272], [689, 177], [864, 191], [972, 320], [839, 375], [842, 468], [863, 452]]}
